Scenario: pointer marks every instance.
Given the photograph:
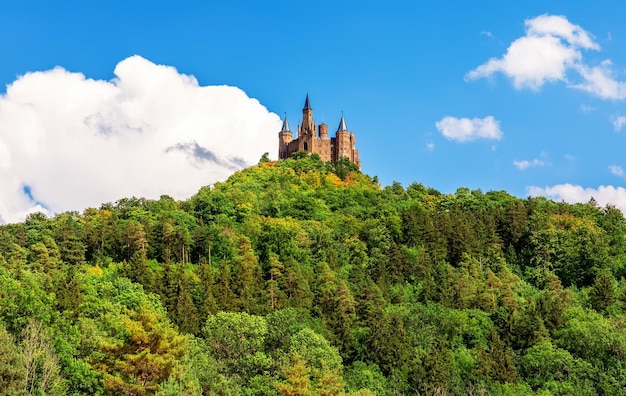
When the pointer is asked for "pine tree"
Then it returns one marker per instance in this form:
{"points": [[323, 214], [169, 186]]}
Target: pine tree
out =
{"points": [[246, 281], [170, 286], [224, 293], [145, 358], [496, 362], [68, 291], [207, 305], [186, 313], [603, 292], [139, 271]]}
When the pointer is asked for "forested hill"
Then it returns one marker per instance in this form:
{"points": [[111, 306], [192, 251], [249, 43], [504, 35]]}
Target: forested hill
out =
{"points": [[299, 278]]}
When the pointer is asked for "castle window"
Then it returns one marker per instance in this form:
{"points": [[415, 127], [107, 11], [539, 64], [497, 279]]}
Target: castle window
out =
{"points": [[306, 146]]}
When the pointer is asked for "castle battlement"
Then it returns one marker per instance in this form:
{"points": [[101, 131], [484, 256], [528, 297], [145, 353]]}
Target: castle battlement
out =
{"points": [[315, 139]]}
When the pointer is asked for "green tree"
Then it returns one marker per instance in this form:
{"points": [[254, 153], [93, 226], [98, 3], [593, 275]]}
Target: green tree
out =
{"points": [[316, 373], [496, 362], [137, 364], [224, 295], [68, 233], [185, 312], [361, 375], [298, 155], [315, 350], [344, 166], [237, 341], [43, 371], [264, 158], [206, 286], [247, 279], [277, 296], [139, 271], [12, 366], [603, 292], [41, 259]]}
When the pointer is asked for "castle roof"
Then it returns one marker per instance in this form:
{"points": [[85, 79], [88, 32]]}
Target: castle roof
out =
{"points": [[307, 105], [285, 127], [342, 125]]}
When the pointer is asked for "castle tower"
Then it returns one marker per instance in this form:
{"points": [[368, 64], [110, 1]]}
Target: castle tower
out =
{"points": [[306, 131], [285, 136], [307, 118], [343, 144], [323, 131]]}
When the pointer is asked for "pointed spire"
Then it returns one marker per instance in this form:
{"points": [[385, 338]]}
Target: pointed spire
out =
{"points": [[342, 125], [285, 127], [307, 105]]}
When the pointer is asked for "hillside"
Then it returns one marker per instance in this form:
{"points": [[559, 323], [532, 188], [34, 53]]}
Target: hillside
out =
{"points": [[296, 277]]}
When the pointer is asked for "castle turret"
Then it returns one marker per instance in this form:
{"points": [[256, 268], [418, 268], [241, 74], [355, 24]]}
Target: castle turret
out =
{"points": [[323, 131], [343, 140], [285, 136], [342, 125]]}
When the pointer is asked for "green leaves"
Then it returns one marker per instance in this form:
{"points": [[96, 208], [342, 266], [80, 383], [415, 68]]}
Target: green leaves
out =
{"points": [[13, 370], [300, 277]]}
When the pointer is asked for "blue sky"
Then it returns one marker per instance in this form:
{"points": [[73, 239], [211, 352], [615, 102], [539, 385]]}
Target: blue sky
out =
{"points": [[526, 97]]}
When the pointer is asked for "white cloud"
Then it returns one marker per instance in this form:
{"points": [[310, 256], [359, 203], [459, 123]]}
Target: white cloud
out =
{"points": [[559, 26], [525, 164], [586, 108], [465, 129], [486, 33], [550, 49], [550, 46], [600, 82], [577, 194], [77, 142], [430, 146], [618, 123], [616, 170], [530, 62]]}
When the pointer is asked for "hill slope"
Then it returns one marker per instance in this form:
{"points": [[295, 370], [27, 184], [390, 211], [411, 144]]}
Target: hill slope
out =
{"points": [[296, 276]]}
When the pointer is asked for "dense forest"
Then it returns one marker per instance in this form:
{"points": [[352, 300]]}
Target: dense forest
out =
{"points": [[299, 277]]}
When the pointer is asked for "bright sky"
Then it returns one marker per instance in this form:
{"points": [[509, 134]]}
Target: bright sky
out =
{"points": [[104, 100]]}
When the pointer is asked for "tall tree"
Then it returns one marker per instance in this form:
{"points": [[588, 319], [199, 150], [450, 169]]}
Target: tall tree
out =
{"points": [[145, 358], [43, 371], [12, 366]]}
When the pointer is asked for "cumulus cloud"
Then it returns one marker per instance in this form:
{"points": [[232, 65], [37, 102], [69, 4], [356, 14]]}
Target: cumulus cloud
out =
{"points": [[465, 129], [577, 194], [616, 170], [551, 48], [618, 123], [68, 142], [525, 164], [600, 82]]}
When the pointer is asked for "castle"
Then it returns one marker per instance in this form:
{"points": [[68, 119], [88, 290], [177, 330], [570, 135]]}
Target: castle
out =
{"points": [[316, 140]]}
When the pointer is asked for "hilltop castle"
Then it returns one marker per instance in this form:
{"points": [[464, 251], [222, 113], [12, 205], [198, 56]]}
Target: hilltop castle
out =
{"points": [[316, 140]]}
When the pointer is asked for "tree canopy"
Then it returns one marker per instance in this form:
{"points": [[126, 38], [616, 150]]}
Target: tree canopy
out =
{"points": [[300, 277]]}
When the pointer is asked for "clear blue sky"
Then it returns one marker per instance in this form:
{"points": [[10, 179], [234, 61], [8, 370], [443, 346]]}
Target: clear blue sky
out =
{"points": [[539, 85]]}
